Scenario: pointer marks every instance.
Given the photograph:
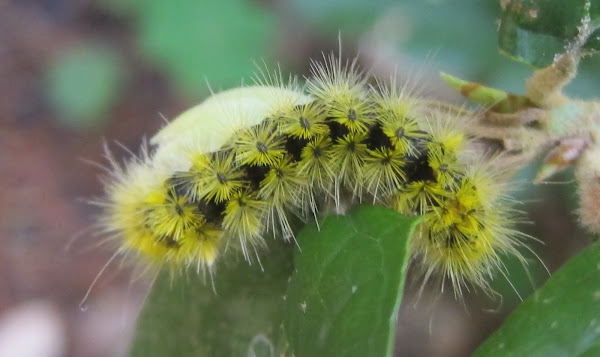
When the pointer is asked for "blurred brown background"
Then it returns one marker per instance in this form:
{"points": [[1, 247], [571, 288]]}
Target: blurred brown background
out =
{"points": [[75, 73]]}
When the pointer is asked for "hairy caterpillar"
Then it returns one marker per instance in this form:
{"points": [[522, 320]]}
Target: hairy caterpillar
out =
{"points": [[240, 165]]}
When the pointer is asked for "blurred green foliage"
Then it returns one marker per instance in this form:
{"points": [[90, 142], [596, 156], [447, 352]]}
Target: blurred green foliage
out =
{"points": [[199, 42], [213, 42], [458, 37], [83, 84], [348, 17]]}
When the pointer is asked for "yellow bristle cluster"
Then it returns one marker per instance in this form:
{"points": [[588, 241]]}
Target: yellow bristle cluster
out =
{"points": [[283, 190], [315, 163], [155, 222], [243, 217], [290, 153], [259, 146], [384, 171], [341, 89], [465, 233], [348, 155], [305, 122]]}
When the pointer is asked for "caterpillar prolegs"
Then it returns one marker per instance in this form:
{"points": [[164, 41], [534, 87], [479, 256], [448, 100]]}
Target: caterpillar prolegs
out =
{"points": [[239, 166]]}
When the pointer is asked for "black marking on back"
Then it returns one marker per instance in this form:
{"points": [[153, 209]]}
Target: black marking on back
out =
{"points": [[377, 139], [294, 147], [255, 174], [336, 130]]}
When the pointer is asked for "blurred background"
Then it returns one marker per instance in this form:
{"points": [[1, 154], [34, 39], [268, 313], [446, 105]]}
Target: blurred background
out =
{"points": [[74, 74]]}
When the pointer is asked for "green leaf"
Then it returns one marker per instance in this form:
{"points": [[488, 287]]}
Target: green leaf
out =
{"points": [[346, 288], [185, 317], [83, 84], [560, 319], [349, 275], [534, 31]]}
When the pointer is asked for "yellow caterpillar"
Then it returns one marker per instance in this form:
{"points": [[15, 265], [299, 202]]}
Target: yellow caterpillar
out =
{"points": [[240, 165]]}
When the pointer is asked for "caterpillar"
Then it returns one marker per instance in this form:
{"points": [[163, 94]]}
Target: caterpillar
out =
{"points": [[240, 165]]}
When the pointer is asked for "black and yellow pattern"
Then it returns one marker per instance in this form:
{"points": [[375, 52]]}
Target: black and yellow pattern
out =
{"points": [[340, 143]]}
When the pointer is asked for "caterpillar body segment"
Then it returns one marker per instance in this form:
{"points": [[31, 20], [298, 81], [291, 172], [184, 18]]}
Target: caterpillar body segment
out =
{"points": [[242, 164]]}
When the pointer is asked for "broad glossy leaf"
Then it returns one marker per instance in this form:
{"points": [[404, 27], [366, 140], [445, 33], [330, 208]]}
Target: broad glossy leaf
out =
{"points": [[242, 317], [560, 319], [347, 284], [534, 31]]}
